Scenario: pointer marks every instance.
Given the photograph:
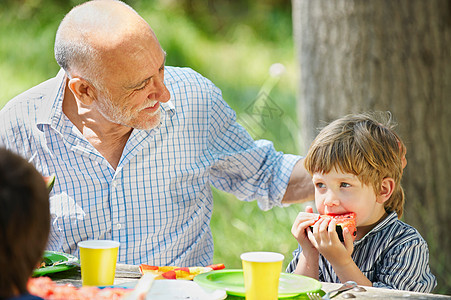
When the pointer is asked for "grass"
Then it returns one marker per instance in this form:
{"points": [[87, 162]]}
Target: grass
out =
{"points": [[241, 227], [236, 59]]}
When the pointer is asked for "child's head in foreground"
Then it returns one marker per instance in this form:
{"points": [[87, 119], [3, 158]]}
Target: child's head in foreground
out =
{"points": [[24, 222], [357, 164]]}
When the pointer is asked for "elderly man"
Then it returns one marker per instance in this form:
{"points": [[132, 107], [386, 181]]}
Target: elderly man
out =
{"points": [[136, 145]]}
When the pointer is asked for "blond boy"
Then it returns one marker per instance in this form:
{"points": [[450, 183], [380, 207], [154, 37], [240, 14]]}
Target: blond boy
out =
{"points": [[357, 163]]}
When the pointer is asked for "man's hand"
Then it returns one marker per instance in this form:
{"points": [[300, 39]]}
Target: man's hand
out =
{"points": [[300, 187]]}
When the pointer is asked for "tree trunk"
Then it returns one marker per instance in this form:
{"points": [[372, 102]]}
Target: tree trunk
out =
{"points": [[357, 55]]}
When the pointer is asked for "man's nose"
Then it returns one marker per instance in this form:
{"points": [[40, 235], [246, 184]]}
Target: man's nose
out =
{"points": [[160, 92]]}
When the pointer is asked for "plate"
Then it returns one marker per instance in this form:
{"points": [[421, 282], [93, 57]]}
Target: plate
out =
{"points": [[54, 257], [232, 281], [166, 289]]}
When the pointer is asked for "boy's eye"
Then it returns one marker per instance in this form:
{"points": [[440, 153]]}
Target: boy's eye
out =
{"points": [[344, 184], [320, 185]]}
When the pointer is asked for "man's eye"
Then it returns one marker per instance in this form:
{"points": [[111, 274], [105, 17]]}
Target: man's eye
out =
{"points": [[141, 88]]}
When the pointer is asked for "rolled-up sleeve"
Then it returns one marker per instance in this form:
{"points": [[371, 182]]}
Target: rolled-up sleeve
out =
{"points": [[251, 170]]}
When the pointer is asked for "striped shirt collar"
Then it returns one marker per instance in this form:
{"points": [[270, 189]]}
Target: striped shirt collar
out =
{"points": [[389, 220]]}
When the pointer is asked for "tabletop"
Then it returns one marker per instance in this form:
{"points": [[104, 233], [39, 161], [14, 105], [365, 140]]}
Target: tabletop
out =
{"points": [[130, 273]]}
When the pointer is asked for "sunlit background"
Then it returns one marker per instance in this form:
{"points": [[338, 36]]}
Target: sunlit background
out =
{"points": [[234, 44]]}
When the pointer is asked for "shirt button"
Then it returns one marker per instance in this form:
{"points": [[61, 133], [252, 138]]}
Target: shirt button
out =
{"points": [[119, 226]]}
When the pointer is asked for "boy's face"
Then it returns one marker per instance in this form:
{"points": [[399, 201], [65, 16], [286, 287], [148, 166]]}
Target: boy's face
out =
{"points": [[338, 193]]}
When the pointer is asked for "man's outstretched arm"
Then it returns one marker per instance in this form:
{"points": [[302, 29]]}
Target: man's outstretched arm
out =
{"points": [[300, 187]]}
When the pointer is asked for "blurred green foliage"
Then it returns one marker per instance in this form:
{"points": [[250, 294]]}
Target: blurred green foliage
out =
{"points": [[233, 43]]}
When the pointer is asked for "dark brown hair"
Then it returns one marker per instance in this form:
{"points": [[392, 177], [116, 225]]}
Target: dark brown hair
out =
{"points": [[24, 222], [364, 145]]}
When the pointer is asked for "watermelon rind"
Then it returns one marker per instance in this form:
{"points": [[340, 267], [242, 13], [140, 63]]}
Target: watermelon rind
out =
{"points": [[339, 227], [50, 181]]}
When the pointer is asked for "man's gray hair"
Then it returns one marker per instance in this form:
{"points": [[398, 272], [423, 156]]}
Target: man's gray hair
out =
{"points": [[74, 52]]}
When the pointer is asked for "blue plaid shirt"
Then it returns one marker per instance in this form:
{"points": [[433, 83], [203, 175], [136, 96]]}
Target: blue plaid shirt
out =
{"points": [[392, 255], [158, 202]]}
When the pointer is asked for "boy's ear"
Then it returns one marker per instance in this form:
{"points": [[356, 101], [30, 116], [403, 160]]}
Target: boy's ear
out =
{"points": [[386, 190], [82, 90]]}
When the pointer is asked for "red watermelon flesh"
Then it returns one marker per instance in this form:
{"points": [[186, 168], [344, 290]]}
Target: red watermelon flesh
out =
{"points": [[343, 221], [49, 181]]}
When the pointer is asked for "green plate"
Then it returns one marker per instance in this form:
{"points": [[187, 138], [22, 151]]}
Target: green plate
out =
{"points": [[232, 281], [55, 257]]}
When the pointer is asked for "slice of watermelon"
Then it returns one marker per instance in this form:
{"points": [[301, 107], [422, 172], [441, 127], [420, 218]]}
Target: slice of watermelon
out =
{"points": [[343, 221], [49, 181]]}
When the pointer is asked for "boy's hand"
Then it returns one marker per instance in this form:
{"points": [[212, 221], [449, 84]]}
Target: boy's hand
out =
{"points": [[300, 229], [325, 239]]}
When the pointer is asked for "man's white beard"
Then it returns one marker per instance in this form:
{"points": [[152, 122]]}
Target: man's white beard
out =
{"points": [[115, 115]]}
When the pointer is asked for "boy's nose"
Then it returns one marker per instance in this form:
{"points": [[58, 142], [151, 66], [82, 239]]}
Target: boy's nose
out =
{"points": [[331, 199]]}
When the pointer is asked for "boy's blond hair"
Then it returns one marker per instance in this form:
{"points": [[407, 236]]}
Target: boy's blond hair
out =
{"points": [[364, 145]]}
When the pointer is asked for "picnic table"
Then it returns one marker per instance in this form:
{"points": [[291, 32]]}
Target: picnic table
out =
{"points": [[129, 274]]}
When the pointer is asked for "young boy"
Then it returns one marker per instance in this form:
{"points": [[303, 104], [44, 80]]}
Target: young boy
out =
{"points": [[357, 163], [24, 224]]}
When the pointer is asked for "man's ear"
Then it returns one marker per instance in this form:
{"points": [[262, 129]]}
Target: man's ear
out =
{"points": [[386, 190], [82, 90]]}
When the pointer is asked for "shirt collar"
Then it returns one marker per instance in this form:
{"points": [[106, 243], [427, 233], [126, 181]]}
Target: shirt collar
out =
{"points": [[53, 102], [390, 219], [168, 107]]}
